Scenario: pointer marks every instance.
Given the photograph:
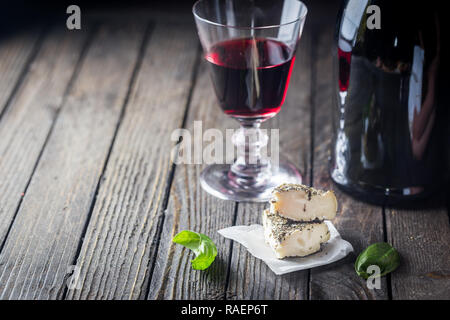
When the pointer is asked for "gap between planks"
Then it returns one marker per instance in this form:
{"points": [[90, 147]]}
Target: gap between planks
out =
{"points": [[140, 218], [108, 100], [147, 34], [173, 168], [24, 70], [65, 94]]}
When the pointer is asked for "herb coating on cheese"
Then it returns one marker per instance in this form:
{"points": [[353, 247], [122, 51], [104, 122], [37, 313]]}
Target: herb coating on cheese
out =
{"points": [[282, 227], [310, 191]]}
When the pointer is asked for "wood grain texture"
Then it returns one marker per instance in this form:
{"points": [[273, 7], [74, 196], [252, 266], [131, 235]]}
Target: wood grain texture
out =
{"points": [[86, 176], [28, 120], [359, 223], [120, 241], [189, 207], [46, 232], [251, 278], [422, 237], [16, 51]]}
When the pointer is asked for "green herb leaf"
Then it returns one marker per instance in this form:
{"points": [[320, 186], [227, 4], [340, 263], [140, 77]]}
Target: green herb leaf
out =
{"points": [[381, 254], [203, 247]]}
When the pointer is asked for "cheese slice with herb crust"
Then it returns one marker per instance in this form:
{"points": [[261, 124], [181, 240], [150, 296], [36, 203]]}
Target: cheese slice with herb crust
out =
{"points": [[302, 203], [290, 238]]}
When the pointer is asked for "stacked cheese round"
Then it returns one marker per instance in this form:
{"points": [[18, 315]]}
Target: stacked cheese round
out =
{"points": [[294, 225]]}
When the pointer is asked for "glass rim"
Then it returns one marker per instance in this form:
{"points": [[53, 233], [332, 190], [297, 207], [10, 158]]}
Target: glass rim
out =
{"points": [[301, 17]]}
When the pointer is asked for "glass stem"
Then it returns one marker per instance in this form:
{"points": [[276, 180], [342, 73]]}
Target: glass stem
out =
{"points": [[252, 167]]}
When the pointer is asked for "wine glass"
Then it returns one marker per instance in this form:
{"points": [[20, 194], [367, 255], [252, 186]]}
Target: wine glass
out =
{"points": [[250, 47]]}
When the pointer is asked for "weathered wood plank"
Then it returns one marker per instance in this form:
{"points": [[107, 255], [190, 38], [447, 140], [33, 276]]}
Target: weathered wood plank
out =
{"points": [[158, 12], [46, 232], [191, 208], [119, 245], [16, 51], [250, 278], [422, 237], [359, 223], [27, 122]]}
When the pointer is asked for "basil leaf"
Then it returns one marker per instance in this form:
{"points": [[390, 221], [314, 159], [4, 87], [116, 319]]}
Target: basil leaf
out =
{"points": [[381, 254], [203, 247]]}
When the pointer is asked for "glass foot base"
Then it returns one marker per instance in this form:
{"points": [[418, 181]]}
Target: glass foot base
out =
{"points": [[218, 180]]}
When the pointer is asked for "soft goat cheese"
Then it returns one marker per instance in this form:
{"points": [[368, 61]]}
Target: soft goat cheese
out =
{"points": [[302, 203], [290, 238]]}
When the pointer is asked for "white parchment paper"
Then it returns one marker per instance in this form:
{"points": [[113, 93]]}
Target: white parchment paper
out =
{"points": [[252, 237]]}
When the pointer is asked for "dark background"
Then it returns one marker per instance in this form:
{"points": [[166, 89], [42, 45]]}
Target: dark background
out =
{"points": [[20, 14]]}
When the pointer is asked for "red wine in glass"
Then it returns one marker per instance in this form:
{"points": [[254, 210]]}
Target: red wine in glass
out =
{"points": [[345, 58], [251, 76], [249, 46]]}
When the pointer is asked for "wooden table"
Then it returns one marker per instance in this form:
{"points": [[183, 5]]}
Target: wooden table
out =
{"points": [[88, 190]]}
